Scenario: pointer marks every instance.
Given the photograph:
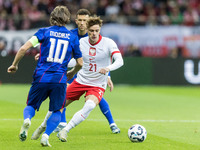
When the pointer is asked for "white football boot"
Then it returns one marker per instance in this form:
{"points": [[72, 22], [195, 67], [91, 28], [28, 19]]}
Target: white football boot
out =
{"points": [[62, 135], [24, 129], [38, 132], [45, 140], [114, 128]]}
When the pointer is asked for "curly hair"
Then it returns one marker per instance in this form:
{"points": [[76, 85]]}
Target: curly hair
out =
{"points": [[94, 21], [60, 16]]}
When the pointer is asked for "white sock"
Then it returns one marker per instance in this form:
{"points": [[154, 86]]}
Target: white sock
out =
{"points": [[44, 123], [45, 135], [81, 115], [63, 123], [113, 124]]}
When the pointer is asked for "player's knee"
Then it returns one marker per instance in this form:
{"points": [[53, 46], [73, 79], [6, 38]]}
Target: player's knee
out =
{"points": [[88, 107], [90, 104]]}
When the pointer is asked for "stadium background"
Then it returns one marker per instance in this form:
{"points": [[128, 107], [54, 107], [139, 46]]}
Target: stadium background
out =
{"points": [[159, 39]]}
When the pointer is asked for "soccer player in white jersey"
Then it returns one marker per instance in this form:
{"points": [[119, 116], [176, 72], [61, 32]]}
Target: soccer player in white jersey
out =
{"points": [[97, 54]]}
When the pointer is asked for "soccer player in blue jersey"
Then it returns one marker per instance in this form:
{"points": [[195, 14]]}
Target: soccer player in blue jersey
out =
{"points": [[50, 75], [81, 19]]}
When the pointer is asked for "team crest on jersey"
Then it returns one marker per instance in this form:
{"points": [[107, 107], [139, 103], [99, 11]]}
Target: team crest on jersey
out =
{"points": [[92, 51]]}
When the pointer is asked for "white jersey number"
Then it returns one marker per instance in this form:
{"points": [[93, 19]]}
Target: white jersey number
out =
{"points": [[56, 58]]}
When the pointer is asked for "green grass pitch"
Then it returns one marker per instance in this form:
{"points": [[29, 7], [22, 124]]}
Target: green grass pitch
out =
{"points": [[171, 116]]}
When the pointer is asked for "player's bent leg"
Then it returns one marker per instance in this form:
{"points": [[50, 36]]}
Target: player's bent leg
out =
{"points": [[52, 123], [63, 121], [78, 117], [24, 129], [105, 109], [41, 128], [28, 113]]}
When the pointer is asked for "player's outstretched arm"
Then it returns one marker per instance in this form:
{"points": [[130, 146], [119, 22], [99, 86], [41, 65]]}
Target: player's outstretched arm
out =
{"points": [[117, 64], [73, 71], [20, 54]]}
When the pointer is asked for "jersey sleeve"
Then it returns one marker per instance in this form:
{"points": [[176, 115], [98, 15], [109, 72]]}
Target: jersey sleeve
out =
{"points": [[116, 55], [34, 41], [40, 35], [76, 49], [113, 48]]}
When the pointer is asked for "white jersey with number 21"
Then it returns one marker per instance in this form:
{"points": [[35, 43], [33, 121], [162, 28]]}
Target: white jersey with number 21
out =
{"points": [[95, 57]]}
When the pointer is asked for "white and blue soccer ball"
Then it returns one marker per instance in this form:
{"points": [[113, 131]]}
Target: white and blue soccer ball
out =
{"points": [[137, 133]]}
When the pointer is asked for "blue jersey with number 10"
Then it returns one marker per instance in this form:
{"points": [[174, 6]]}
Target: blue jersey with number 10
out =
{"points": [[57, 44]]}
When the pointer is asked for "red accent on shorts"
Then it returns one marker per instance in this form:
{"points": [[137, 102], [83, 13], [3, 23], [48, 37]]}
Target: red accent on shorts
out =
{"points": [[75, 90]]}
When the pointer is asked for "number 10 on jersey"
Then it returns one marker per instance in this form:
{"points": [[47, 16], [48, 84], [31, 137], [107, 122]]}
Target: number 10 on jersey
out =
{"points": [[57, 47]]}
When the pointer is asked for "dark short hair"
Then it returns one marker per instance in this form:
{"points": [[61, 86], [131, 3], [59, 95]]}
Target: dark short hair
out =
{"points": [[94, 21], [60, 16], [83, 12]]}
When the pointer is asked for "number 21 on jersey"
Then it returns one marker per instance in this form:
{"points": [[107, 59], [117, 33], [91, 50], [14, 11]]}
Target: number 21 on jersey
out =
{"points": [[57, 48], [93, 67]]}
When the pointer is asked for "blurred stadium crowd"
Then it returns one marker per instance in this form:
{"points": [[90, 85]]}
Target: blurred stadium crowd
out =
{"points": [[27, 14], [18, 15]]}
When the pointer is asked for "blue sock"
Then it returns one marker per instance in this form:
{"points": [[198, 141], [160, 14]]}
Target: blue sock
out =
{"points": [[63, 117], [53, 122], [29, 112], [105, 109]]}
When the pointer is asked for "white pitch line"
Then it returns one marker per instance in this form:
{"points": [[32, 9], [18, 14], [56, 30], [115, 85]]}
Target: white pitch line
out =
{"points": [[119, 120]]}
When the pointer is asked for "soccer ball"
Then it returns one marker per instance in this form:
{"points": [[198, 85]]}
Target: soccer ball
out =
{"points": [[137, 133]]}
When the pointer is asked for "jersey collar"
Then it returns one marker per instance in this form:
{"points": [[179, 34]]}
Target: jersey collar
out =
{"points": [[100, 37]]}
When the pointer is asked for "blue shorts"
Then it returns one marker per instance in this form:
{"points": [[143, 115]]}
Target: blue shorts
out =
{"points": [[41, 91]]}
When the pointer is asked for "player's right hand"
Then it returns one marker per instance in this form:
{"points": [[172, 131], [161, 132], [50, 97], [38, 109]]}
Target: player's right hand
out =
{"points": [[70, 75], [12, 69], [104, 70], [37, 56]]}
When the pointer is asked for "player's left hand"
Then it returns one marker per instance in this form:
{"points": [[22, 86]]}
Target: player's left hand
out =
{"points": [[104, 70], [12, 69], [110, 84]]}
